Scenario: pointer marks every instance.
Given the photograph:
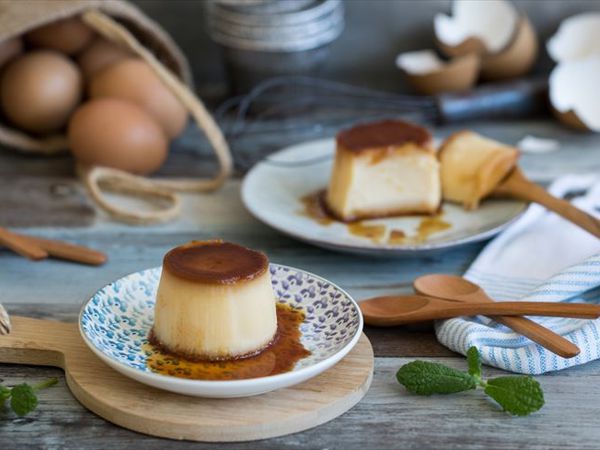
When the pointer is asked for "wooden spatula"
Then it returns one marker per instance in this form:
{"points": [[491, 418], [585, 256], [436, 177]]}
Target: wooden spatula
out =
{"points": [[516, 185]]}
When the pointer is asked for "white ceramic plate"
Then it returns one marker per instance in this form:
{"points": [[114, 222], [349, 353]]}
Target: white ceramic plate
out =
{"points": [[273, 189], [115, 322]]}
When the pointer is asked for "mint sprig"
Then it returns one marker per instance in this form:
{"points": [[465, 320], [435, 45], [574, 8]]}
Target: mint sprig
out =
{"points": [[23, 398], [517, 395]]}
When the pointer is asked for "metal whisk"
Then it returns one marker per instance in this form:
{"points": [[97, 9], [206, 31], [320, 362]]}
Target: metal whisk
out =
{"points": [[286, 110]]}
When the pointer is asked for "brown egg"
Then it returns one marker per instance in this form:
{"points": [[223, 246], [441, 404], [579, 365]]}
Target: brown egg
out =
{"points": [[134, 80], [116, 133], [67, 36], [40, 90], [99, 55], [9, 49]]}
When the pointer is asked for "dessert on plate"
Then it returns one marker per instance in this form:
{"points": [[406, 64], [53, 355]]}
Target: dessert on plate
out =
{"points": [[472, 166], [382, 169], [214, 302]]}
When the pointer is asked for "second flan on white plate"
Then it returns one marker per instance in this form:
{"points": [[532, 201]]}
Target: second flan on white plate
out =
{"points": [[382, 169]]}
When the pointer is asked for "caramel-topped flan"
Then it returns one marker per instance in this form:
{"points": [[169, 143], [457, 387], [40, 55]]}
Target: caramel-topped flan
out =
{"points": [[472, 166], [214, 302], [382, 169]]}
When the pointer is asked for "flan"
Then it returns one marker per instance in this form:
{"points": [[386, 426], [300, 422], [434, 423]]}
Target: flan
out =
{"points": [[214, 302], [472, 166], [382, 169]]}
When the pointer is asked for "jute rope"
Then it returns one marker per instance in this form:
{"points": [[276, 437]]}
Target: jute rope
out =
{"points": [[101, 179]]}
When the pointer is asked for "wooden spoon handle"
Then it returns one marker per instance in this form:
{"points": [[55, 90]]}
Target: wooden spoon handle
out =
{"points": [[21, 246], [577, 310], [68, 251], [517, 186], [542, 335]]}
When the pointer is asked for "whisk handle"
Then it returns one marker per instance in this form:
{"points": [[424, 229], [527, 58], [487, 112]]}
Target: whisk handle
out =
{"points": [[513, 99]]}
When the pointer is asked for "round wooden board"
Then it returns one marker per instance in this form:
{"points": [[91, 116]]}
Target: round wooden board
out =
{"points": [[142, 408]]}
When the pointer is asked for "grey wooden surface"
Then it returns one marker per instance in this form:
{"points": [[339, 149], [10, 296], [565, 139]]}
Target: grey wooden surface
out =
{"points": [[41, 196]]}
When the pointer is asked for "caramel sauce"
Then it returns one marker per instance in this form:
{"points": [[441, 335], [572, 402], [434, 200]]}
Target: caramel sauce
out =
{"points": [[384, 133], [429, 226], [397, 237], [374, 232], [281, 356], [215, 262], [378, 156], [315, 209]]}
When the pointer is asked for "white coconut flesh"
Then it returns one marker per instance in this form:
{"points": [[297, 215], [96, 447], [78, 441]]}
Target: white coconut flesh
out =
{"points": [[574, 87], [420, 62], [577, 38], [493, 22]]}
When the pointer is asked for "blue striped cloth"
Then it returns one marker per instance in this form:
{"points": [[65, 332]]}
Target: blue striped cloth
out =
{"points": [[541, 257]]}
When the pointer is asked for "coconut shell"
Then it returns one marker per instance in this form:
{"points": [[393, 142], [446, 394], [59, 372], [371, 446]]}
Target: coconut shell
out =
{"points": [[516, 58], [570, 119], [466, 47], [459, 74]]}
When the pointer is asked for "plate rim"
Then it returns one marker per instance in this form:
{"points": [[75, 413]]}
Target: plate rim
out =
{"points": [[385, 249], [224, 384]]}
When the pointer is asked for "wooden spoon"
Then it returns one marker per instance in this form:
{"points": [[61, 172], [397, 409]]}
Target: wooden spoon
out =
{"points": [[402, 309], [455, 288], [516, 185]]}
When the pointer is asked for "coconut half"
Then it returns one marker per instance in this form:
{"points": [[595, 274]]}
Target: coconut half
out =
{"points": [[577, 38], [428, 74], [494, 29], [573, 82], [574, 93]]}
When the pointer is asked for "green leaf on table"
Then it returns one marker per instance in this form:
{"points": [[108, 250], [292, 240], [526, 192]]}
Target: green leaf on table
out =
{"points": [[23, 399], [4, 394], [474, 362], [426, 378], [520, 395]]}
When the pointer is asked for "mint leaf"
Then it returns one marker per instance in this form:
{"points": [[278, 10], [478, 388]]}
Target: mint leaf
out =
{"points": [[519, 395], [4, 394], [23, 399], [426, 378], [474, 362]]}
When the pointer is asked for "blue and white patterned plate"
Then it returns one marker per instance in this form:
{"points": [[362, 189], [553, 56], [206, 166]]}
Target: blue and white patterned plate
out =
{"points": [[115, 323]]}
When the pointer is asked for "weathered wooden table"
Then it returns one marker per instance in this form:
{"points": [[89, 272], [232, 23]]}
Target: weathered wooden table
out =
{"points": [[41, 196]]}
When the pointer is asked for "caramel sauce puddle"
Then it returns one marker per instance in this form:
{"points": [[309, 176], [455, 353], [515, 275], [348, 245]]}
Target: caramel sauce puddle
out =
{"points": [[281, 356], [314, 208]]}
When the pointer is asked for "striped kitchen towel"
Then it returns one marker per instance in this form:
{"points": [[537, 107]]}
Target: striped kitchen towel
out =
{"points": [[541, 257]]}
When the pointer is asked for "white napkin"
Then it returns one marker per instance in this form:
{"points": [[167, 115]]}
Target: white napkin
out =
{"points": [[541, 257]]}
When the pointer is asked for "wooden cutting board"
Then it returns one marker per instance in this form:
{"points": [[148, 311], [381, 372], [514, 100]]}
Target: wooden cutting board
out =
{"points": [[142, 408]]}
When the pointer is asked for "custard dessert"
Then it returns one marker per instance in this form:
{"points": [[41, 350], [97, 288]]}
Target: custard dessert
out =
{"points": [[214, 302], [382, 169], [472, 166]]}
